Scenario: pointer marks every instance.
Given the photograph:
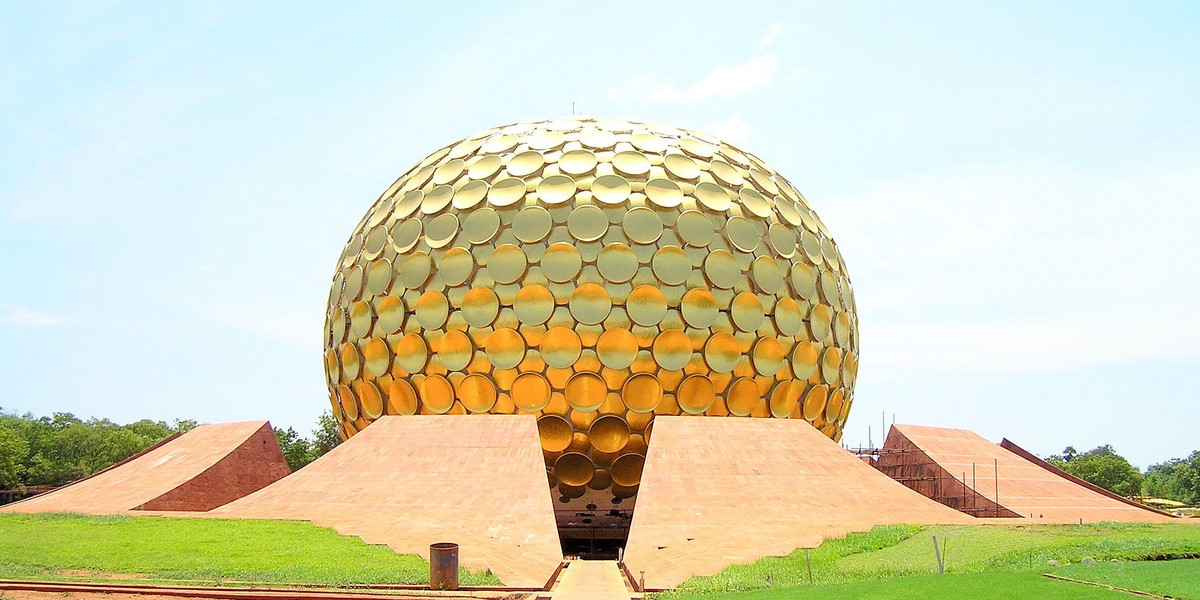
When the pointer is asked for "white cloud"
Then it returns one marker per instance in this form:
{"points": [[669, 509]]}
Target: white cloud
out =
{"points": [[733, 129], [723, 81], [24, 316]]}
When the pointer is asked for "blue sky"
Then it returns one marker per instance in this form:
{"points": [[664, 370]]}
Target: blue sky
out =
{"points": [[1015, 187]]}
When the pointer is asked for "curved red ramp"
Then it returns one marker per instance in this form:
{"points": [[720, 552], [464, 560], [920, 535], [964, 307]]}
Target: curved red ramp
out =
{"points": [[407, 482], [202, 469], [716, 492], [959, 468]]}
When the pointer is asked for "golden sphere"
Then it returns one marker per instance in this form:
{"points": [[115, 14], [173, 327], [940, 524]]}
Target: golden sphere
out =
{"points": [[593, 274]]}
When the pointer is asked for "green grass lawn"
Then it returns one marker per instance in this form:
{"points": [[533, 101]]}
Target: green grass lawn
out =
{"points": [[1175, 578], [228, 551], [903, 556]]}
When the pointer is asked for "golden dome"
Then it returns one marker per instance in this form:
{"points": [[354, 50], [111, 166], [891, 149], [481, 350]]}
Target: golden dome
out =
{"points": [[594, 274]]}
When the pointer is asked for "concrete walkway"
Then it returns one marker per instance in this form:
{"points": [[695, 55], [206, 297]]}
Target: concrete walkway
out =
{"points": [[592, 580]]}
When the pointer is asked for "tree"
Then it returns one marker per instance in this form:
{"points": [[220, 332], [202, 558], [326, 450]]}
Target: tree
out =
{"points": [[13, 453], [297, 450], [326, 436], [1176, 479], [1101, 466]]}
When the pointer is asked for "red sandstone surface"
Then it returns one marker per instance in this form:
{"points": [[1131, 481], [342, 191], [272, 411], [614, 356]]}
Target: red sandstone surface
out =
{"points": [[716, 492], [204, 468]]}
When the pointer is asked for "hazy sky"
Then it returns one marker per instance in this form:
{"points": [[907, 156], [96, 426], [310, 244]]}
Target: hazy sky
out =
{"points": [[1015, 187]]}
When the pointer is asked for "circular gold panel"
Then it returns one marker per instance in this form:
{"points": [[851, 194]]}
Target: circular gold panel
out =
{"points": [[531, 392], [609, 433]]}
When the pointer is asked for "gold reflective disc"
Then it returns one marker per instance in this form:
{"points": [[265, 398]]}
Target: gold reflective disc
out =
{"points": [[437, 394], [532, 224], [587, 223], [351, 363], [694, 228], [833, 407], [804, 280], [722, 352], [526, 163], [611, 189], [742, 233], [477, 393], [672, 349], [617, 263], [764, 181], [349, 402], [649, 143], [507, 263], [696, 394], [371, 400], [767, 355], [456, 266], [783, 239], [534, 304], [757, 203], [747, 311], [849, 369], [574, 468], [432, 310], [360, 318], [402, 398], [681, 166], [695, 147], [411, 353], [437, 199], [377, 358], [374, 243], [480, 307], [408, 204], [646, 305], [506, 192], [484, 167], [841, 329], [555, 433], [405, 235], [561, 262], [788, 318], [699, 308], [767, 274], [596, 138], [470, 195], [672, 265], [416, 270], [600, 480], [590, 304], [455, 351], [545, 140], [505, 348], [642, 225], [531, 393], [742, 397], [664, 193], [441, 230], [560, 347], [609, 433], [812, 246], [804, 359], [726, 172], [556, 189], [616, 348], [829, 288], [571, 492], [577, 162], [820, 321], [627, 470], [722, 269], [481, 225], [631, 163], [831, 364], [713, 196], [788, 209], [623, 491], [585, 391], [814, 402], [354, 283], [785, 398], [499, 143]]}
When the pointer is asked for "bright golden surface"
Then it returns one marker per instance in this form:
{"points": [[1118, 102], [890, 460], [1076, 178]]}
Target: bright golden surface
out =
{"points": [[594, 274]]}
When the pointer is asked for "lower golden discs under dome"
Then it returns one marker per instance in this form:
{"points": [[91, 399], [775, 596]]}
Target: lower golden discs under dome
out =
{"points": [[592, 274]]}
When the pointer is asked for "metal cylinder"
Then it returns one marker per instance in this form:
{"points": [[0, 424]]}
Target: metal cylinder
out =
{"points": [[443, 566]]}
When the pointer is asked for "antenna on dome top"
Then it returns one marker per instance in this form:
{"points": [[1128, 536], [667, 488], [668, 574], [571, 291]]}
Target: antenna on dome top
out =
{"points": [[572, 108]]}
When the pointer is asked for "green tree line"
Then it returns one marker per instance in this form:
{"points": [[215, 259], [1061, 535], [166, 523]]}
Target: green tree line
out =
{"points": [[58, 449], [1177, 479]]}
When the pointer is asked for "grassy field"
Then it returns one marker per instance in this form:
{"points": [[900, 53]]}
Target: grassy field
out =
{"points": [[1176, 578], [902, 556], [205, 551], [978, 586]]}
